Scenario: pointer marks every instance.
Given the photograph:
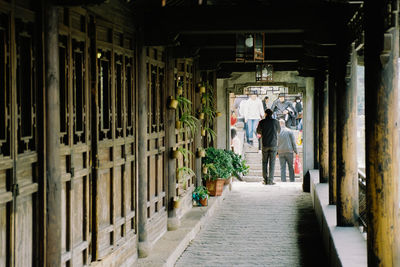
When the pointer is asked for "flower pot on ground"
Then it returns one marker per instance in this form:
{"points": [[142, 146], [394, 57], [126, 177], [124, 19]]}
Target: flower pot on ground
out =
{"points": [[200, 195], [215, 187], [228, 181]]}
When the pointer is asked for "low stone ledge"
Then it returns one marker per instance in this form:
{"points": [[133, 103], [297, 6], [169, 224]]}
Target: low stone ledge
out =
{"points": [[172, 244], [345, 246]]}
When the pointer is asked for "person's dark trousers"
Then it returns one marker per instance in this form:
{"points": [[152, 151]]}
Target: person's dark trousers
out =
{"points": [[268, 163], [246, 124], [259, 143], [283, 159]]}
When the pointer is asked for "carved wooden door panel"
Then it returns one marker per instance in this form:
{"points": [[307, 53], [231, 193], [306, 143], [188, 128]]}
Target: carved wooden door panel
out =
{"points": [[19, 143], [75, 145], [115, 184], [157, 180]]}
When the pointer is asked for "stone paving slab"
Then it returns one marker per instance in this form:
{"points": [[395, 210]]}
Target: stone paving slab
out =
{"points": [[259, 225]]}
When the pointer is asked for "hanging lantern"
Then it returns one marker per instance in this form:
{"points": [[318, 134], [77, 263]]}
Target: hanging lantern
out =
{"points": [[250, 47], [264, 72]]}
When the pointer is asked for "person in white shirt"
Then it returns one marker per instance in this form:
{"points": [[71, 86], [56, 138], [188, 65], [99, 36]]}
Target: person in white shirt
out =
{"points": [[253, 111], [235, 143]]}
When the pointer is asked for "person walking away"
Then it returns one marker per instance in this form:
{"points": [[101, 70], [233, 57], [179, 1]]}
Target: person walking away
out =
{"points": [[236, 144], [269, 129], [286, 147], [265, 103], [253, 112], [299, 109]]}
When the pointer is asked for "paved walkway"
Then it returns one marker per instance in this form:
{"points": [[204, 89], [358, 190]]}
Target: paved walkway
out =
{"points": [[259, 225]]}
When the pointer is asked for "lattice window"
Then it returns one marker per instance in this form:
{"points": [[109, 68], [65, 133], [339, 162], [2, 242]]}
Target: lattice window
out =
{"points": [[79, 90], [5, 101], [26, 86], [64, 84], [104, 84]]}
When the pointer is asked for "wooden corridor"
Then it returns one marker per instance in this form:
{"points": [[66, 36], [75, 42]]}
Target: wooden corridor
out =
{"points": [[259, 225]]}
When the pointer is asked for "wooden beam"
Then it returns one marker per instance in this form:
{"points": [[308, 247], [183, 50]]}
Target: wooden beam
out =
{"points": [[321, 86]]}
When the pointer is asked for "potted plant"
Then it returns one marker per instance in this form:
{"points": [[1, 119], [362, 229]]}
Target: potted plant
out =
{"points": [[173, 103], [201, 153], [205, 167], [189, 120], [202, 87], [238, 163], [175, 153], [179, 88], [200, 195], [183, 173], [201, 115], [218, 114], [177, 202], [222, 170], [210, 134]]}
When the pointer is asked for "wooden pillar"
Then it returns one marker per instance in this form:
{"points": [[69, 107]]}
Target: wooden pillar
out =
{"points": [[197, 138], [332, 134], [54, 225], [323, 130], [144, 246], [173, 222], [382, 143], [347, 170]]}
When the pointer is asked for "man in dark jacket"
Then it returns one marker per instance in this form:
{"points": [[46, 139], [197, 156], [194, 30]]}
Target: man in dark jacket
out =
{"points": [[269, 129], [280, 107]]}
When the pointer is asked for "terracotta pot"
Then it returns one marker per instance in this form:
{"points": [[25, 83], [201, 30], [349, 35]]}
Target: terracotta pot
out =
{"points": [[178, 124], [216, 187], [202, 89], [203, 202], [173, 103], [228, 181], [203, 132], [179, 90], [201, 116]]}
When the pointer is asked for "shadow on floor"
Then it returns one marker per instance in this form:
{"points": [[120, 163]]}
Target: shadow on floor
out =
{"points": [[309, 238]]}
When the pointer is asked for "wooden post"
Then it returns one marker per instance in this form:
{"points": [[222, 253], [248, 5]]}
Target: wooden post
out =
{"points": [[332, 134], [173, 222], [197, 138], [382, 130], [53, 235], [316, 124], [323, 130], [144, 247], [347, 170]]}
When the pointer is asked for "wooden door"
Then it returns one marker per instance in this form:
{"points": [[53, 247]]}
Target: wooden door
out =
{"points": [[115, 183], [75, 146], [20, 175], [156, 152]]}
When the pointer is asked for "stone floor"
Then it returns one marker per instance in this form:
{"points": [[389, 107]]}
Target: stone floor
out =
{"points": [[259, 225]]}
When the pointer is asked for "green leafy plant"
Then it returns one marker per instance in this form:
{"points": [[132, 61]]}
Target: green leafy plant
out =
{"points": [[184, 172], [211, 135], [185, 153], [222, 162], [184, 104], [200, 192], [188, 120], [238, 163]]}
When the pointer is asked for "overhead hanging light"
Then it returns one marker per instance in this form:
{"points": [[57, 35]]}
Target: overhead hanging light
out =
{"points": [[249, 41]]}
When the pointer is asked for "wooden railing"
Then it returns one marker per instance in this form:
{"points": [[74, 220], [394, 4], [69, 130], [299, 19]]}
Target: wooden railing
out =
{"points": [[362, 191]]}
